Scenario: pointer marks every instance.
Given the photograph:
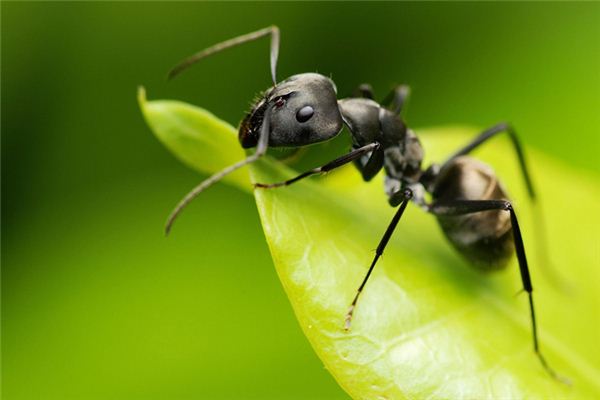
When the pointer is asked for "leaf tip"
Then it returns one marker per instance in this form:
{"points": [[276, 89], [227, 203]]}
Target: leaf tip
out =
{"points": [[141, 96]]}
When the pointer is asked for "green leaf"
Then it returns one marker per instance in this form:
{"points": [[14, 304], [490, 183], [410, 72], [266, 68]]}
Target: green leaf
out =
{"points": [[198, 138], [427, 325]]}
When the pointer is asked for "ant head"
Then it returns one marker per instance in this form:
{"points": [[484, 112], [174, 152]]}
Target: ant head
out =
{"points": [[304, 110]]}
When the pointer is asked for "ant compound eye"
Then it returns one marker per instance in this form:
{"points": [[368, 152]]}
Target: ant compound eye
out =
{"points": [[279, 102], [304, 114]]}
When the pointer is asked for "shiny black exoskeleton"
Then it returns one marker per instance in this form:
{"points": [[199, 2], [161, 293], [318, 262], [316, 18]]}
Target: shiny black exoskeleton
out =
{"points": [[469, 202]]}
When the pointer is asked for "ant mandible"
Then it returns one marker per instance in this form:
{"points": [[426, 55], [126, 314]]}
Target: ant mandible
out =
{"points": [[304, 109]]}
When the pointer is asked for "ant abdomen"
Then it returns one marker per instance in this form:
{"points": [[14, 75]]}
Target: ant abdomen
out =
{"points": [[484, 238]]}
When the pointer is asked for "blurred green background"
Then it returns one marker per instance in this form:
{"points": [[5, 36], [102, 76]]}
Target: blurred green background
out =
{"points": [[96, 303]]}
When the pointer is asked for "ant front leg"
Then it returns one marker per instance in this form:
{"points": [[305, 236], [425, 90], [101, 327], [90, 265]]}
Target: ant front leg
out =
{"points": [[369, 165], [406, 195], [338, 162], [462, 207]]}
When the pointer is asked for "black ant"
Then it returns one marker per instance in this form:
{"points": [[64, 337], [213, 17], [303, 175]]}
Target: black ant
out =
{"points": [[469, 202]]}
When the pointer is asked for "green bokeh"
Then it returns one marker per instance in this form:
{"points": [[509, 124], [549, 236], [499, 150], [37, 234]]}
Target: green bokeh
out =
{"points": [[96, 303]]}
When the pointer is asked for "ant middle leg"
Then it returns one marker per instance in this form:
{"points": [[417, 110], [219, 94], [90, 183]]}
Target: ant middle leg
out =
{"points": [[364, 90], [463, 207], [406, 195], [395, 100], [355, 154]]}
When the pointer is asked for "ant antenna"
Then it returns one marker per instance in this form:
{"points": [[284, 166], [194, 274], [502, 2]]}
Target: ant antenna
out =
{"points": [[261, 149], [271, 30]]}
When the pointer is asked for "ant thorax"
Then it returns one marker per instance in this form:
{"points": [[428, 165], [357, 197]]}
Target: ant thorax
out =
{"points": [[403, 159], [401, 151]]}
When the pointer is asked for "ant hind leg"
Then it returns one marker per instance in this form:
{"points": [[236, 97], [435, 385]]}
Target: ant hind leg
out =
{"points": [[551, 271], [462, 207]]}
